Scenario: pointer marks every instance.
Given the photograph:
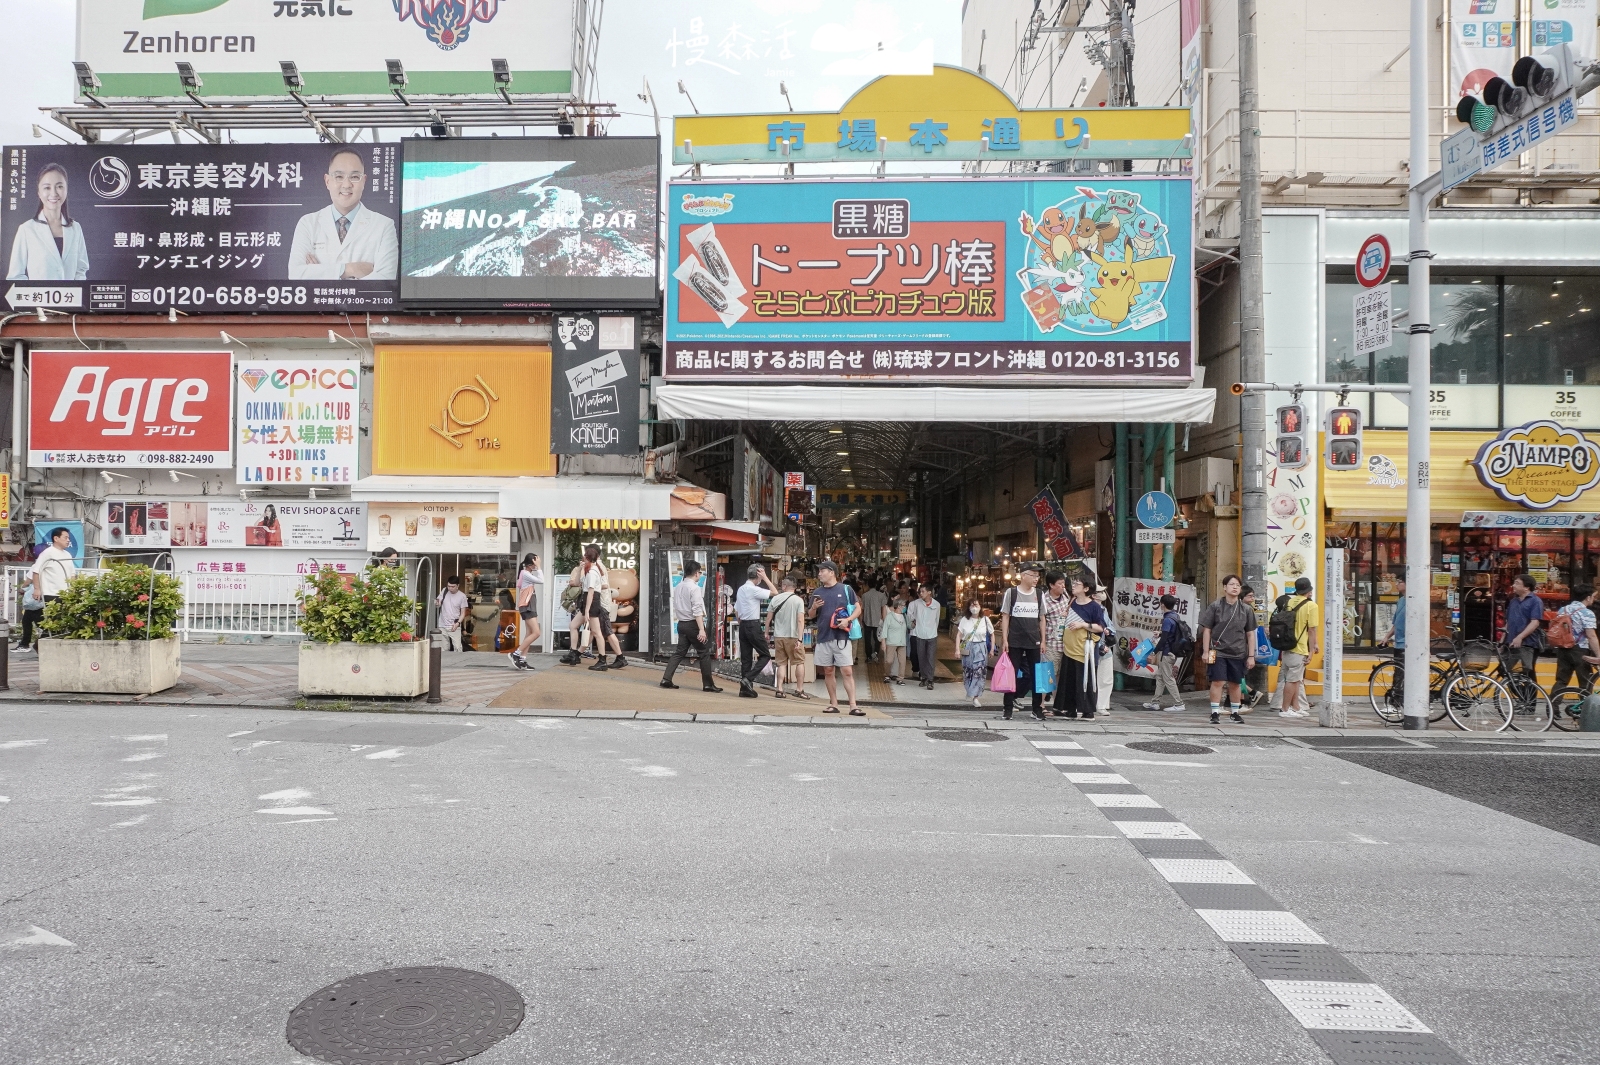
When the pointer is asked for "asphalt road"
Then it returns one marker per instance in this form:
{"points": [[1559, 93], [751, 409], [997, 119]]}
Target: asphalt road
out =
{"points": [[702, 893]]}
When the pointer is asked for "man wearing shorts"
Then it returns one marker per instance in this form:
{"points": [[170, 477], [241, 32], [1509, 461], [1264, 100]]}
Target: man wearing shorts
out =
{"points": [[833, 607], [1227, 639], [785, 615], [1307, 620]]}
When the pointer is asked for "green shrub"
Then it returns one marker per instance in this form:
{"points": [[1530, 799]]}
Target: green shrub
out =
{"points": [[121, 602], [341, 608]]}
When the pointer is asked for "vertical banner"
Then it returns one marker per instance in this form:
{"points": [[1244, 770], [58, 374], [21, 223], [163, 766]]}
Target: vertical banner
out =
{"points": [[1483, 43], [1189, 19], [1047, 514], [1333, 713], [594, 391]]}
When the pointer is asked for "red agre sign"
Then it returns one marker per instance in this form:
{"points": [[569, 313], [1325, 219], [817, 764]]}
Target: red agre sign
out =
{"points": [[130, 408]]}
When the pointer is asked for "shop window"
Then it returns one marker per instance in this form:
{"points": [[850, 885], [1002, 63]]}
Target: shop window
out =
{"points": [[1552, 330]]}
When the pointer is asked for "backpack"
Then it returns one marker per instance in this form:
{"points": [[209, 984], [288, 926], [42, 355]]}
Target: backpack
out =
{"points": [[1283, 626], [1182, 642], [1558, 628]]}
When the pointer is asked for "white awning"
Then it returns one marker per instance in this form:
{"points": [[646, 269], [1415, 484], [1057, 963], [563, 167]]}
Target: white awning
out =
{"points": [[528, 497], [924, 403]]}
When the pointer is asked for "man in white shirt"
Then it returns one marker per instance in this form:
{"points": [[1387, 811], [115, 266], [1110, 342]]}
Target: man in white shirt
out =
{"points": [[689, 607], [51, 572], [452, 604], [922, 634], [345, 240], [752, 635]]}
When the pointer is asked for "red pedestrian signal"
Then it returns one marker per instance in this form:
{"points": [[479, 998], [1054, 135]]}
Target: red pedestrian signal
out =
{"points": [[1290, 447]]}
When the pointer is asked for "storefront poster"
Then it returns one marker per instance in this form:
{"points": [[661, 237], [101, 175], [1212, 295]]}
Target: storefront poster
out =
{"points": [[1063, 279], [210, 522], [246, 228], [43, 529], [430, 528], [261, 576], [297, 421], [97, 409], [594, 385], [1136, 614]]}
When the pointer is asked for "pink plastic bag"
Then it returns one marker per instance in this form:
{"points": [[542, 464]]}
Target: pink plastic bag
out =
{"points": [[1004, 678]]}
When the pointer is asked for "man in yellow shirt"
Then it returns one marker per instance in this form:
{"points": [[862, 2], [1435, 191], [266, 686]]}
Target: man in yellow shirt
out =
{"points": [[1307, 622]]}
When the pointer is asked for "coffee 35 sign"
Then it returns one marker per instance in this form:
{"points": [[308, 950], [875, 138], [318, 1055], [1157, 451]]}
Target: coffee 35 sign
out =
{"points": [[1539, 464]]}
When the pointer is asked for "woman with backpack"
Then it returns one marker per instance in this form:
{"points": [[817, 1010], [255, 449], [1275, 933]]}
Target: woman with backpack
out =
{"points": [[1174, 642], [596, 607], [974, 638]]}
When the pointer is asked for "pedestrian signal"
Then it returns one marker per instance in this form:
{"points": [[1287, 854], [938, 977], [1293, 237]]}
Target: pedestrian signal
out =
{"points": [[1344, 438], [1291, 440]]}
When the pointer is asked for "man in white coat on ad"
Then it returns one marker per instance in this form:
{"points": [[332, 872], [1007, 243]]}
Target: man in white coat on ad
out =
{"points": [[344, 240]]}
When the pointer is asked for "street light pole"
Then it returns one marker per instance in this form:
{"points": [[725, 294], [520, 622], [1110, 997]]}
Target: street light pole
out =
{"points": [[1252, 345], [1419, 551]]}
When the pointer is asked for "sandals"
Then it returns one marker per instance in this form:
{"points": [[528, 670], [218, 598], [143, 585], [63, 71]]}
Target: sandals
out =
{"points": [[778, 694], [856, 711], [803, 694], [831, 710]]}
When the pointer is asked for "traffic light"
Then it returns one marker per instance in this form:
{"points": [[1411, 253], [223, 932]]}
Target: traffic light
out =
{"points": [[1291, 437], [1535, 81], [1344, 438]]}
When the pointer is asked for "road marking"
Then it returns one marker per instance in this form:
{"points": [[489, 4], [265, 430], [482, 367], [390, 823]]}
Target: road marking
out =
{"points": [[1155, 829], [306, 821], [296, 811], [11, 745], [141, 800], [5, 798], [144, 757], [1344, 1007], [749, 730], [541, 723], [1095, 778], [1124, 801], [34, 936], [1010, 835], [141, 819], [1066, 759], [1199, 871], [1152, 761], [652, 771], [236, 735], [157, 737], [803, 777], [392, 752], [1057, 745], [1259, 926]]}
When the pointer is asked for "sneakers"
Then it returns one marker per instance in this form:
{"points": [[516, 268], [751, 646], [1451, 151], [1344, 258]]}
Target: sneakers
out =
{"points": [[1216, 718], [1177, 709], [518, 661], [599, 666], [1235, 718], [618, 662], [571, 658], [1293, 713], [1152, 705]]}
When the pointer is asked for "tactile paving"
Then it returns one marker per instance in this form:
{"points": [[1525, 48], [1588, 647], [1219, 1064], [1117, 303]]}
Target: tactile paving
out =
{"points": [[1104, 799], [1199, 871], [1141, 813], [1385, 1048], [1258, 926], [1344, 1007], [1176, 848], [1226, 897], [1072, 759], [1156, 830], [1096, 778], [1298, 961], [1056, 745]]}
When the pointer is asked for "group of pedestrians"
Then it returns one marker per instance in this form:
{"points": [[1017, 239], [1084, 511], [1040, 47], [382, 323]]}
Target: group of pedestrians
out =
{"points": [[1055, 630]]}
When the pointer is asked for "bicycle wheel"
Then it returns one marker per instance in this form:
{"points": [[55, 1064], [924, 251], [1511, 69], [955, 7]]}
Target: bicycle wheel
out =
{"points": [[1531, 709], [1388, 701], [1477, 702], [1567, 708], [1438, 677]]}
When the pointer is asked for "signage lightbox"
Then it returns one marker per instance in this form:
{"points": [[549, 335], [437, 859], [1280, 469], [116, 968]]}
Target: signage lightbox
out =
{"points": [[297, 421]]}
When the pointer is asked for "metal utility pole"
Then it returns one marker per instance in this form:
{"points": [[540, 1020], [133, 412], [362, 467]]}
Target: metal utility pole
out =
{"points": [[1252, 352], [1419, 552], [1116, 67]]}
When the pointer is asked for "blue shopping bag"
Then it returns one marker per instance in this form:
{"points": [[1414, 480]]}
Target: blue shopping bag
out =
{"points": [[1266, 654], [1141, 652], [1044, 678]]}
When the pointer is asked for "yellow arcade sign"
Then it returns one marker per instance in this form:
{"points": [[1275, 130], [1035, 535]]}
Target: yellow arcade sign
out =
{"points": [[949, 114], [1539, 465]]}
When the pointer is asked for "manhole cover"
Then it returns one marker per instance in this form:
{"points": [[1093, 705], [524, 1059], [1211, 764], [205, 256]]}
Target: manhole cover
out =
{"points": [[421, 1016], [967, 735], [1168, 747]]}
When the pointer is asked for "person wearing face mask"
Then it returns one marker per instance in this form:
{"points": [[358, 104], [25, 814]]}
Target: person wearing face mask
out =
{"points": [[893, 634], [974, 637]]}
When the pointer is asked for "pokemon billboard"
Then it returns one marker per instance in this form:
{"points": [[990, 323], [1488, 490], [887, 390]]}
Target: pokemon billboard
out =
{"points": [[1062, 278]]}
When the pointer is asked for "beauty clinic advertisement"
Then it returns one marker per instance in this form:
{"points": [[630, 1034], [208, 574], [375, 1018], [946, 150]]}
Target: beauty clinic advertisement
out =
{"points": [[297, 421], [164, 409], [212, 522]]}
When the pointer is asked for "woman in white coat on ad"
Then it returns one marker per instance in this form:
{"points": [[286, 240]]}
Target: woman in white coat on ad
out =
{"points": [[49, 246]]}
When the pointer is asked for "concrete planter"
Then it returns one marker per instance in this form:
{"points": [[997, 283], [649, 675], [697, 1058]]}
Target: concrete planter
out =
{"points": [[397, 670], [118, 667]]}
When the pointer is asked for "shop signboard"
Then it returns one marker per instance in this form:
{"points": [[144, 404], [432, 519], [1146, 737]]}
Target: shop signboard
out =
{"points": [[339, 46], [435, 528], [594, 385], [1538, 465], [240, 228], [1136, 614], [99, 409], [980, 281], [859, 498], [1575, 406], [143, 523], [526, 223], [461, 410], [297, 421]]}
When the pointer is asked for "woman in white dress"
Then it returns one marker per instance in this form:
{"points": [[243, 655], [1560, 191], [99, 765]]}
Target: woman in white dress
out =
{"points": [[49, 246]]}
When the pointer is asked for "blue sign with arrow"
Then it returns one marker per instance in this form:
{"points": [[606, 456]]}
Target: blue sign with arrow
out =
{"points": [[1156, 510]]}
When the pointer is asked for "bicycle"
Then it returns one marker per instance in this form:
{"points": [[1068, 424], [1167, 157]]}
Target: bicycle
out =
{"points": [[1532, 709], [1567, 703], [1448, 659]]}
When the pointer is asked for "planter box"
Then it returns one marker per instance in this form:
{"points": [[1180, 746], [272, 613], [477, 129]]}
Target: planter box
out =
{"points": [[120, 667], [397, 670]]}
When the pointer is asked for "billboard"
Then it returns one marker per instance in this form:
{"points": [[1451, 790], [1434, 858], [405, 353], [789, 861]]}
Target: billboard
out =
{"points": [[452, 528], [211, 522], [229, 227], [297, 421], [92, 409], [594, 390], [529, 223], [1062, 279], [340, 46]]}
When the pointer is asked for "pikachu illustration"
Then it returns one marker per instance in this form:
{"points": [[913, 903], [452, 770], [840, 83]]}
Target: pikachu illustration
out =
{"points": [[1120, 281]]}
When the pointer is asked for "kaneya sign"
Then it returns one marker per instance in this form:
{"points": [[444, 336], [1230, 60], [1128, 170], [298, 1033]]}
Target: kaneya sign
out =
{"points": [[130, 408], [1539, 464], [963, 280]]}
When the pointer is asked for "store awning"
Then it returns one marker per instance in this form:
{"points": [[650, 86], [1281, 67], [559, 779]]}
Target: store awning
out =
{"points": [[529, 497], [923, 403], [746, 533]]}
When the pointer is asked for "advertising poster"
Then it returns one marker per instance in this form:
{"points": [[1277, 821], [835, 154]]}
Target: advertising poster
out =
{"points": [[230, 227], [296, 420], [262, 575], [340, 46], [594, 387], [212, 522], [1136, 613], [531, 222], [431, 528], [43, 529], [1484, 36], [94, 409], [1063, 279]]}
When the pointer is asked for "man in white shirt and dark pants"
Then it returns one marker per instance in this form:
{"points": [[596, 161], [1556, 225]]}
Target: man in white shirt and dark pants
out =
{"points": [[51, 572], [689, 607], [453, 605], [752, 634], [345, 240], [922, 633]]}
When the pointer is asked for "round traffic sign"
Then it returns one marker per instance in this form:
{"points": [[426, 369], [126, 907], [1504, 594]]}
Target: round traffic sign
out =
{"points": [[1156, 510], [1372, 262]]}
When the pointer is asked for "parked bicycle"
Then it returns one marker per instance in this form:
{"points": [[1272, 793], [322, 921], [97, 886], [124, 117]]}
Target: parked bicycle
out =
{"points": [[1567, 703], [1448, 659], [1532, 709]]}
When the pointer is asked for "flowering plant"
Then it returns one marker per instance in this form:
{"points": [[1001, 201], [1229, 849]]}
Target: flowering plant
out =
{"points": [[343, 608], [120, 602]]}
